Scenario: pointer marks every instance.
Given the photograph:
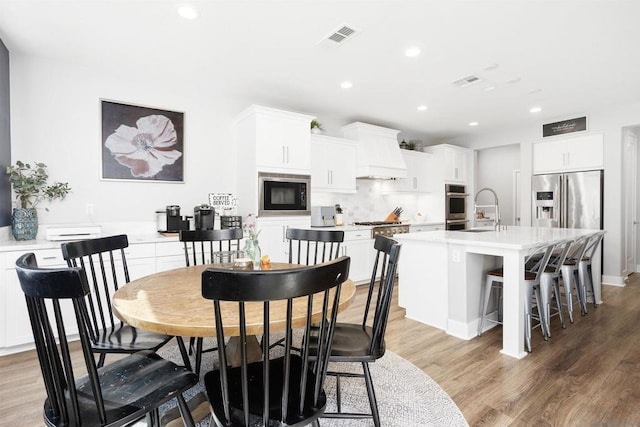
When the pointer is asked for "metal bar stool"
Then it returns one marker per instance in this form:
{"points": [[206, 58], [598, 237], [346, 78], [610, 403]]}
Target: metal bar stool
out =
{"points": [[539, 257], [585, 273], [570, 279]]}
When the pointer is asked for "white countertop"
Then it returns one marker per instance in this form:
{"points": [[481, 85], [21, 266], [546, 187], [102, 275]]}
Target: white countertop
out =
{"points": [[511, 238]]}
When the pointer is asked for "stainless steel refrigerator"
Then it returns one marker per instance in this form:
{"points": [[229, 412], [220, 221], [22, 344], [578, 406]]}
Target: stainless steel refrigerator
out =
{"points": [[568, 200]]}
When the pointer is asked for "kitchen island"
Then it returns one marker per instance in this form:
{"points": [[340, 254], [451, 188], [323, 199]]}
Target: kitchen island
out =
{"points": [[441, 274]]}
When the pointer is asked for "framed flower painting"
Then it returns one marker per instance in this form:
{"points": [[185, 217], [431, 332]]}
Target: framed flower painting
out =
{"points": [[141, 143]]}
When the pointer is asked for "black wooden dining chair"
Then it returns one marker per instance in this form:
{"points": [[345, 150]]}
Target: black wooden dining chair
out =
{"points": [[115, 394], [286, 390], [310, 247], [364, 342], [104, 264], [204, 244], [201, 247]]}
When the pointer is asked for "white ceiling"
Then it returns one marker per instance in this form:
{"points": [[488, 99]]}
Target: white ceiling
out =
{"points": [[578, 55]]}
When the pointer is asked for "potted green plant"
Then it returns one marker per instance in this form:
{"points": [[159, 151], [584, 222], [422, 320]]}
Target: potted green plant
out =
{"points": [[316, 127], [29, 183]]}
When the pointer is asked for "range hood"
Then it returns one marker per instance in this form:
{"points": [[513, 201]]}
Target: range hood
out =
{"points": [[378, 151]]}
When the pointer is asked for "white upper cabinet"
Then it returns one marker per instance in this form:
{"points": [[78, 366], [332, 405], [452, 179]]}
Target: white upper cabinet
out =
{"points": [[333, 164], [584, 152], [419, 173], [455, 162], [280, 139]]}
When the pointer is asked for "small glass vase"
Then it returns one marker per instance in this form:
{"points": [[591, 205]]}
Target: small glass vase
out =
{"points": [[252, 251]]}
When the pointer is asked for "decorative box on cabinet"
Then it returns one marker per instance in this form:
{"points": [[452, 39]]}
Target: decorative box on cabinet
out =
{"points": [[333, 164], [585, 152]]}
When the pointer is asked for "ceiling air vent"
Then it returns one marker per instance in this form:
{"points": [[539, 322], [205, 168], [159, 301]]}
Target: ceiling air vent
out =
{"points": [[466, 81], [339, 36]]}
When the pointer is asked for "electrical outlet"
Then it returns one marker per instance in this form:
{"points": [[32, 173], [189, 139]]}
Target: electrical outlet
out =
{"points": [[455, 255], [89, 209]]}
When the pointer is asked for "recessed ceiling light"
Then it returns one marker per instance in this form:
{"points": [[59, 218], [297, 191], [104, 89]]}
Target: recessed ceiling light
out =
{"points": [[422, 108], [489, 88], [187, 12], [534, 91], [491, 67], [535, 110], [346, 85], [473, 123], [412, 51], [514, 80]]}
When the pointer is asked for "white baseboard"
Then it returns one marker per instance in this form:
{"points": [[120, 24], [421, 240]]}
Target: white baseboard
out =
{"points": [[613, 281], [465, 331]]}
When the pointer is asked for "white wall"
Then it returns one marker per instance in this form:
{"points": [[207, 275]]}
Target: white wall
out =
{"points": [[608, 121], [55, 109], [499, 179]]}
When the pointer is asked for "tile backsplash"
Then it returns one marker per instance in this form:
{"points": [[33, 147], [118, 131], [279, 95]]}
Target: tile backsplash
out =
{"points": [[373, 203]]}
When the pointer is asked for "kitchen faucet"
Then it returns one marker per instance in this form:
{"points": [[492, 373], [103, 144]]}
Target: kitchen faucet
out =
{"points": [[496, 206]]}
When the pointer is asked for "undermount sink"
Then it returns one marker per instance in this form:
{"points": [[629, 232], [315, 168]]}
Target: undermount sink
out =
{"points": [[475, 230]]}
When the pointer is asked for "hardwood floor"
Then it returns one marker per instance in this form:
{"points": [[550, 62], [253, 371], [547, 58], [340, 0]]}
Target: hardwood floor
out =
{"points": [[587, 374]]}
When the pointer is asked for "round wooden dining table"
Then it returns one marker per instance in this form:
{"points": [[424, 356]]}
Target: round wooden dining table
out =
{"points": [[171, 302]]}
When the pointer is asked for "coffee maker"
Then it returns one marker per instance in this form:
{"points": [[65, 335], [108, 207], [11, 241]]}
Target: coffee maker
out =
{"points": [[204, 216], [174, 220]]}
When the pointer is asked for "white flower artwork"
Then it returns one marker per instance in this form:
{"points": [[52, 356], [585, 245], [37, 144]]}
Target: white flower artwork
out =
{"points": [[150, 150]]}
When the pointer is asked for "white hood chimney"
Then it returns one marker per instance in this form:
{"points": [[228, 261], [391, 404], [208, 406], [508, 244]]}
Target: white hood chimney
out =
{"points": [[378, 151]]}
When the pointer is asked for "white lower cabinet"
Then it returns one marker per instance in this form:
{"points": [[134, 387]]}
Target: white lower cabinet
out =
{"points": [[426, 227], [273, 235], [15, 327], [359, 246]]}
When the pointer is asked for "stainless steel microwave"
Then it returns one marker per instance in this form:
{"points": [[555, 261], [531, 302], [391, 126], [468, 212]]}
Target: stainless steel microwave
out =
{"points": [[283, 194]]}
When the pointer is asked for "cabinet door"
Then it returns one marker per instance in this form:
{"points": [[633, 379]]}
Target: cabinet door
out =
{"points": [[358, 245], [15, 317], [419, 179], [273, 236], [455, 164], [419, 228], [333, 165], [585, 153], [549, 156], [573, 154], [282, 143]]}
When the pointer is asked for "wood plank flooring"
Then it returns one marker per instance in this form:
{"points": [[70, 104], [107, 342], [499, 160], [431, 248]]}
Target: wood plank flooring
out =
{"points": [[587, 374]]}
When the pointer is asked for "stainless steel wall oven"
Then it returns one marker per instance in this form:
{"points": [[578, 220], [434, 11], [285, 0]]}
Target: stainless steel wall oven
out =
{"points": [[456, 207]]}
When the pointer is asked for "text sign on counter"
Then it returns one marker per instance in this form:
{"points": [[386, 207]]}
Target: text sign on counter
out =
{"points": [[221, 201]]}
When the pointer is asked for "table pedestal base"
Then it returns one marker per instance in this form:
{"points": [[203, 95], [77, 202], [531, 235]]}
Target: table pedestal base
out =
{"points": [[234, 351]]}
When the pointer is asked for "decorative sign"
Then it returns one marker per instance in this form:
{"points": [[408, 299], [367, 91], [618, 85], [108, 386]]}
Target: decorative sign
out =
{"points": [[565, 126], [221, 201]]}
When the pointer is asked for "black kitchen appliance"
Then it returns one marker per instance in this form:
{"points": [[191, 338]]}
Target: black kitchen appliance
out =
{"points": [[203, 216], [174, 220]]}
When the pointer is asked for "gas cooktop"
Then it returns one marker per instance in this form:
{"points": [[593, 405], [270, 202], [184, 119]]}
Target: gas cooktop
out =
{"points": [[377, 223]]}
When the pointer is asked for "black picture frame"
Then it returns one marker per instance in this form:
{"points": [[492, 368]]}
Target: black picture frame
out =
{"points": [[578, 124], [141, 143]]}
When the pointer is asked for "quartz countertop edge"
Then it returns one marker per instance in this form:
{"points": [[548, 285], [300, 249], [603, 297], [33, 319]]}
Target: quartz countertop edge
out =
{"points": [[511, 238]]}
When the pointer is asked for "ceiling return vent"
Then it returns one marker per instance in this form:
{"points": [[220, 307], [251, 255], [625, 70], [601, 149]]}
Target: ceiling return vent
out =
{"points": [[339, 36], [466, 81]]}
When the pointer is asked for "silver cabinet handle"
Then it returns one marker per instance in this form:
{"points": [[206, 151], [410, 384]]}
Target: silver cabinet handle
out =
{"points": [[328, 176]]}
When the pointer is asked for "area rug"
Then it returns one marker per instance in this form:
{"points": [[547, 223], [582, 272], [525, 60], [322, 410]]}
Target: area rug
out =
{"points": [[406, 395]]}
